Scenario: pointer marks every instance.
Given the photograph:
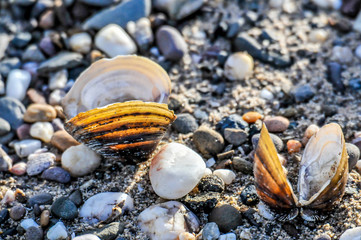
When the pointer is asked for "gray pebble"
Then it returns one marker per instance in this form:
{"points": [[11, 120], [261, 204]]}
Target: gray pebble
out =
{"points": [[108, 232], [303, 93], [242, 165], [17, 212], [38, 162], [7, 138], [226, 216], [60, 61], [4, 127], [171, 43], [210, 231], [275, 139], [12, 110], [353, 155], [334, 70], [64, 208], [185, 123], [34, 233], [26, 147], [208, 141], [8, 64], [76, 197], [33, 54], [40, 199], [235, 136], [56, 174]]}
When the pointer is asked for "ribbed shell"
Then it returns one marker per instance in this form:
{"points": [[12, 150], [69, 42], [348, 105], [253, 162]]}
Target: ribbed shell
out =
{"points": [[129, 130]]}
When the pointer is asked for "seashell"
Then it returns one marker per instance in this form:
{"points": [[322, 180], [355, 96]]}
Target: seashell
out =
{"points": [[322, 175], [117, 107]]}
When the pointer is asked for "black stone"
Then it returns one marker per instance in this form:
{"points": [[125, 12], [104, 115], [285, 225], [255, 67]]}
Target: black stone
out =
{"points": [[203, 202], [40, 199], [334, 76], [211, 183], [290, 229], [185, 123], [226, 216], [108, 232], [232, 121], [4, 215], [77, 197], [21, 39], [249, 195], [329, 110], [64, 208], [249, 214], [350, 7]]}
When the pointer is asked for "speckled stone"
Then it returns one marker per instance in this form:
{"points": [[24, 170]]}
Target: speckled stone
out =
{"points": [[185, 123], [208, 141], [276, 124], [64, 208], [56, 174]]}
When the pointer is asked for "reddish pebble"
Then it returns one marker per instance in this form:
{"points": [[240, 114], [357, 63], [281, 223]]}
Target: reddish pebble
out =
{"points": [[18, 169], [36, 96], [23, 132], [251, 117], [276, 124], [293, 146], [310, 131], [63, 140]]}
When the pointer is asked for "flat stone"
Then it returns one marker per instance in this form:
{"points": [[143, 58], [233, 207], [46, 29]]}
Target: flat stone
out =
{"points": [[242, 165], [38, 162], [56, 174], [12, 110], [120, 14], [64, 208], [40, 199], [208, 141], [171, 43], [26, 147], [60, 61], [235, 136]]}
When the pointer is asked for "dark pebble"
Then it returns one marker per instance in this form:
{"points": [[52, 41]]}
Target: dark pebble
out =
{"points": [[9, 232], [185, 123], [8, 64], [353, 153], [249, 214], [341, 24], [350, 8], [37, 210], [203, 202], [290, 229], [234, 28], [12, 110], [33, 54], [77, 197], [21, 39], [4, 215], [241, 164], [355, 84], [226, 216], [97, 3], [208, 141], [303, 93], [171, 43], [34, 233], [249, 195], [56, 174], [232, 121], [334, 76], [108, 232], [211, 183], [329, 110], [17, 212], [40, 199], [275, 139], [47, 46], [60, 61], [64, 208]]}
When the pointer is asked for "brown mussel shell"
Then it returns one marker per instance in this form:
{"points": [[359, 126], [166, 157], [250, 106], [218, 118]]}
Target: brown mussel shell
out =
{"points": [[322, 176]]}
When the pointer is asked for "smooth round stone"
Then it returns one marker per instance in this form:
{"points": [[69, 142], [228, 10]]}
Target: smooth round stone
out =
{"points": [[154, 220], [4, 127], [80, 160], [58, 79], [185, 123], [63, 140], [235, 136], [342, 54], [17, 212], [303, 93], [251, 117], [171, 43], [47, 19], [81, 42], [57, 232], [266, 94], [87, 237], [17, 83], [227, 175], [210, 231], [42, 130], [226, 216], [141, 31], [100, 206], [238, 66], [64, 208], [175, 171], [39, 113], [318, 36], [44, 218], [114, 41], [34, 233], [40, 199], [38, 162], [358, 51], [26, 147], [351, 234], [276, 124], [353, 153], [18, 169], [47, 46], [56, 174], [33, 54], [208, 141]]}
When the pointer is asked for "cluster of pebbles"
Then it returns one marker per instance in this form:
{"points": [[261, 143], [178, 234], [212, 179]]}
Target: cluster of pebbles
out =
{"points": [[293, 65]]}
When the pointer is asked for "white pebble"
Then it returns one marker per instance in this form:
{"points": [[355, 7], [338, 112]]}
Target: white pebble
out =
{"points": [[167, 220], [17, 83], [87, 237], [42, 130], [8, 198], [26, 223], [100, 206], [342, 54], [358, 51], [175, 171], [210, 162], [80, 160], [58, 80], [228, 236], [25, 147], [238, 66], [141, 31], [318, 36], [38, 162], [227, 175], [113, 40], [80, 42], [56, 96], [266, 94], [57, 232], [351, 234], [276, 4]]}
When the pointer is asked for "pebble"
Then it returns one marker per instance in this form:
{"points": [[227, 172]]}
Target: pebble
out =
{"points": [[18, 169], [178, 11], [358, 51], [210, 231], [38, 162], [100, 206], [353, 153], [5, 161], [17, 83], [171, 43], [17, 212], [4, 215], [251, 117], [28, 223], [114, 41], [39, 113], [228, 236], [4, 43], [309, 132], [12, 110], [242, 165], [57, 232], [238, 66], [8, 64], [185, 123], [249, 195], [234, 121], [44, 218], [58, 79], [275, 139], [40, 199], [303, 93], [36, 96], [355, 83], [34, 233], [228, 176], [141, 31], [47, 46], [211, 183], [4, 127], [342, 54], [334, 76], [318, 36], [226, 217], [357, 23], [56, 96], [56, 174], [276, 124], [108, 232], [76, 197], [208, 141], [23, 131], [2, 87], [63, 140], [350, 7], [175, 171], [87, 237], [351, 234], [235, 136], [154, 220], [47, 19], [323, 237], [21, 39], [60, 61], [80, 42], [42, 130], [80, 160], [33, 54], [64, 208], [26, 147], [293, 146]]}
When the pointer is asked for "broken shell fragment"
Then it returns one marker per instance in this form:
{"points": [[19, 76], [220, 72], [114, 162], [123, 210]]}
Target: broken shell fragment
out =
{"points": [[322, 176], [117, 107]]}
